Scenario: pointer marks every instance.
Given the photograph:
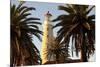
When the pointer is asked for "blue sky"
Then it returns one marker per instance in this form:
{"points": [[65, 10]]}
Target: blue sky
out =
{"points": [[41, 9]]}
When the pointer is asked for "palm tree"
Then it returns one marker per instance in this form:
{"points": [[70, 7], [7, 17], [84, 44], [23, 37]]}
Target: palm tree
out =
{"points": [[23, 28], [59, 52], [78, 26]]}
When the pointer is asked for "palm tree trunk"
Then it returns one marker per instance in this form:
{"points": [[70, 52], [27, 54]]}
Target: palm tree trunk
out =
{"points": [[83, 50], [57, 58], [83, 56]]}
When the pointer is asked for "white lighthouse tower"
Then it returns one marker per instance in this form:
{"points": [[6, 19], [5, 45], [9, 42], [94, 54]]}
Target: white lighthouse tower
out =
{"points": [[47, 39]]}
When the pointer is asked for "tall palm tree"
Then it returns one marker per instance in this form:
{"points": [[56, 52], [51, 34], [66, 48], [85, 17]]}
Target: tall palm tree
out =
{"points": [[78, 26], [23, 28]]}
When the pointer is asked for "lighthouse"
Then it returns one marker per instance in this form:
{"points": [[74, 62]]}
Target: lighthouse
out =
{"points": [[47, 39]]}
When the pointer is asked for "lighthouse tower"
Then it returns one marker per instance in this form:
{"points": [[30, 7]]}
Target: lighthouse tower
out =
{"points": [[47, 39]]}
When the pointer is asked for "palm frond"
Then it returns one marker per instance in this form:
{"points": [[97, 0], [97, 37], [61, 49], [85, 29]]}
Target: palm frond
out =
{"points": [[30, 19], [91, 17], [69, 10], [90, 10]]}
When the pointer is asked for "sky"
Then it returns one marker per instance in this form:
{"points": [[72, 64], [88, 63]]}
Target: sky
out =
{"points": [[41, 9]]}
